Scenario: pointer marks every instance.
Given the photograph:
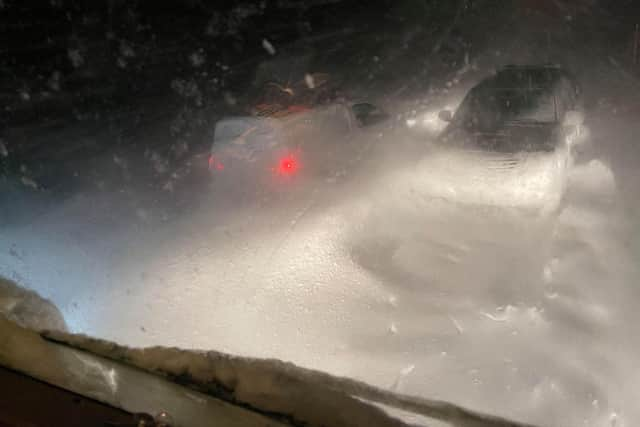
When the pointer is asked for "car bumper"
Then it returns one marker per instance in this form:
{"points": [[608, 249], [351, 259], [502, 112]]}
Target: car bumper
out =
{"points": [[524, 180]]}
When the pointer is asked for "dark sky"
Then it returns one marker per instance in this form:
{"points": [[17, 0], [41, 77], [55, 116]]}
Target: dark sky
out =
{"points": [[41, 35]]}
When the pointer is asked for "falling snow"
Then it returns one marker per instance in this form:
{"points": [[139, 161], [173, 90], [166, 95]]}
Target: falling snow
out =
{"points": [[3, 149], [266, 44], [76, 58]]}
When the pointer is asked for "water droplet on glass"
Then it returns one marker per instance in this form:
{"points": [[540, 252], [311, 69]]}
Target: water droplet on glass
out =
{"points": [[547, 274], [613, 419], [163, 419]]}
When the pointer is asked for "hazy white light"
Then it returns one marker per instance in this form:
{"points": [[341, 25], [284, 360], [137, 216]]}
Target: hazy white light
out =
{"points": [[432, 122], [428, 121]]}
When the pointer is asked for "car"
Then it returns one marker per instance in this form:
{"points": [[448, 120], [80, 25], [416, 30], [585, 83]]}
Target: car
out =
{"points": [[281, 141], [511, 141]]}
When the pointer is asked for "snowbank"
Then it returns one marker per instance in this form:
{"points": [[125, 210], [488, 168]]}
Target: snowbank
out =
{"points": [[302, 396], [28, 309], [117, 384]]}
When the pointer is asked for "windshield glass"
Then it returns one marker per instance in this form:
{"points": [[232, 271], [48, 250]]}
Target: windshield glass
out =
{"points": [[267, 179], [489, 109]]}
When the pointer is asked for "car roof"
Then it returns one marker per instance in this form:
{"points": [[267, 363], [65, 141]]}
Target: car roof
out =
{"points": [[532, 66]]}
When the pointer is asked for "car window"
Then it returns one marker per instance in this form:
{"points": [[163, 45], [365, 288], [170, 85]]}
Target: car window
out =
{"points": [[338, 120], [490, 109], [230, 129]]}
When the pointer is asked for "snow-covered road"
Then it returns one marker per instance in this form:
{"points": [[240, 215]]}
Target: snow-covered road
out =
{"points": [[514, 315]]}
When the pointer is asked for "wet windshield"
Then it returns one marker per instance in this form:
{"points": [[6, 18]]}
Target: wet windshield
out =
{"points": [[489, 110], [265, 178]]}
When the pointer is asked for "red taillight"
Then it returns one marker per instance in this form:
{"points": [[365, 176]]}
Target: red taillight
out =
{"points": [[215, 164], [287, 165]]}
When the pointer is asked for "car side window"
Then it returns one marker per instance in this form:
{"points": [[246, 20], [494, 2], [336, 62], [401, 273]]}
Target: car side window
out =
{"points": [[343, 119], [566, 98]]}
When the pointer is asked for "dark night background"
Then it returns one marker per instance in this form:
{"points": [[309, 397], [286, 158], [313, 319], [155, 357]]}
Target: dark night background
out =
{"points": [[69, 66]]}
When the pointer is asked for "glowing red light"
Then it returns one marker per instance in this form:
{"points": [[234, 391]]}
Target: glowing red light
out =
{"points": [[215, 164], [288, 165]]}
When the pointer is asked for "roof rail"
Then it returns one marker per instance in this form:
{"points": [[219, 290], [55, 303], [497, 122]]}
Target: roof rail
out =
{"points": [[529, 66]]}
